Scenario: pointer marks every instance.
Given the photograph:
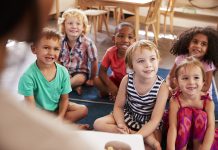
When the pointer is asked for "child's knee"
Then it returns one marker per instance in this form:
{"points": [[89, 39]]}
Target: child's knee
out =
{"points": [[84, 110], [98, 123]]}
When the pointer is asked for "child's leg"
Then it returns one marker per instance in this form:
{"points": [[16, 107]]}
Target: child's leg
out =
{"points": [[77, 80], [76, 112], [101, 87], [153, 141], [106, 124]]}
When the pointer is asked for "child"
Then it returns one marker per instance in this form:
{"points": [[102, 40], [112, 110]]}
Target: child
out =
{"points": [[46, 84], [191, 112], [77, 49], [200, 43], [114, 57], [141, 97]]}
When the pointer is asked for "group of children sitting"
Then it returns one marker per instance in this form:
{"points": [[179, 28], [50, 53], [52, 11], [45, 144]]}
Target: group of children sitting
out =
{"points": [[140, 95]]}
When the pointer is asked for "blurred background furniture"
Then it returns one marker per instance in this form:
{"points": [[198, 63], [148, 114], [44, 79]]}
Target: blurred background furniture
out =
{"points": [[167, 10], [96, 14], [151, 18]]}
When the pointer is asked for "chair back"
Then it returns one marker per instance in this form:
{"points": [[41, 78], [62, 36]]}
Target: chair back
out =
{"points": [[153, 12]]}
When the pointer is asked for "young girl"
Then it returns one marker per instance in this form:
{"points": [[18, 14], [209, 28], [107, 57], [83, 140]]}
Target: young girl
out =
{"points": [[141, 97], [114, 58], [200, 43], [191, 112], [77, 49]]}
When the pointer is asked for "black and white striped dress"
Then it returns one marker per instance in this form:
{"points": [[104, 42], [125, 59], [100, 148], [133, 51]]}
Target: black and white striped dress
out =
{"points": [[138, 108]]}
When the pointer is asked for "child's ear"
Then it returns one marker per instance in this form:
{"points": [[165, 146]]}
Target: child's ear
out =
{"points": [[113, 38], [33, 49], [175, 81]]}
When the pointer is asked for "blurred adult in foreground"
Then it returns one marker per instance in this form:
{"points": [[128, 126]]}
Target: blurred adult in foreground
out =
{"points": [[22, 129]]}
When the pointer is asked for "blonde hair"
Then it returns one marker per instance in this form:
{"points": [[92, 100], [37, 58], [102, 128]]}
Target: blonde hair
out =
{"points": [[190, 62], [77, 13], [139, 45]]}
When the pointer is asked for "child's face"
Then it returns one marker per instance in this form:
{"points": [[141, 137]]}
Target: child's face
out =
{"points": [[47, 51], [190, 80], [198, 46], [73, 27], [123, 39], [145, 63]]}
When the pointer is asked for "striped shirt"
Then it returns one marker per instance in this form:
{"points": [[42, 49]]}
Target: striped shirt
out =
{"points": [[141, 106]]}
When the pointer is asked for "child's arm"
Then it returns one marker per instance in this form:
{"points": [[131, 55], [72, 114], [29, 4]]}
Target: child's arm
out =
{"points": [[170, 78], [157, 112], [113, 89], [172, 131], [63, 104], [208, 80], [119, 105], [30, 101], [94, 68], [209, 135]]}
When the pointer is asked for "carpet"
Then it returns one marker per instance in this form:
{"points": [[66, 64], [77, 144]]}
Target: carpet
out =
{"points": [[99, 107]]}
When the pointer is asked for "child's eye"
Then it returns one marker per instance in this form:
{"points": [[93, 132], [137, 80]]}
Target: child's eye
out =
{"points": [[131, 37], [46, 47], [153, 59], [141, 61], [57, 49], [204, 44], [184, 78], [196, 78]]}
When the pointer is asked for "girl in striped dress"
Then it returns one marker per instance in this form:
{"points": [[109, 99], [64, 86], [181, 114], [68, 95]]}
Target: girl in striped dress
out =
{"points": [[141, 97]]}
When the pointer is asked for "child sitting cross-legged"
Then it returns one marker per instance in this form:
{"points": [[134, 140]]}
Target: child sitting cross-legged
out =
{"points": [[114, 59], [46, 84]]}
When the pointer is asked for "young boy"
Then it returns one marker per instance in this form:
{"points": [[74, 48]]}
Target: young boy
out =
{"points": [[114, 58], [46, 84], [78, 50]]}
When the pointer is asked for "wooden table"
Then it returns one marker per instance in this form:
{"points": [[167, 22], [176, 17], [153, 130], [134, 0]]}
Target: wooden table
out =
{"points": [[130, 5]]}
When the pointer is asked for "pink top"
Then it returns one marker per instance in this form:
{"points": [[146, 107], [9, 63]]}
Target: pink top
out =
{"points": [[116, 64]]}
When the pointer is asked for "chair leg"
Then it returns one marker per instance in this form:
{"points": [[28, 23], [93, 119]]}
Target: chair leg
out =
{"points": [[106, 25], [171, 22], [155, 34], [165, 28], [146, 31], [95, 28]]}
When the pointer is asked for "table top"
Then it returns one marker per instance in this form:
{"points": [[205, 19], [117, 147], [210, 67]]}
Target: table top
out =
{"points": [[132, 2]]}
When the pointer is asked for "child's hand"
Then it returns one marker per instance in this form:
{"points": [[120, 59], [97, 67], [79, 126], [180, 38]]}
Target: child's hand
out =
{"points": [[112, 97], [122, 128], [90, 82], [113, 93]]}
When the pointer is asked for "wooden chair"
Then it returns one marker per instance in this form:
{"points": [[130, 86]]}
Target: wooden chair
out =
{"points": [[151, 19], [95, 15], [168, 11], [117, 13]]}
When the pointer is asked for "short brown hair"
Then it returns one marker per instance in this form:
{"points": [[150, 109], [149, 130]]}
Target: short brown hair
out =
{"points": [[50, 33], [139, 45]]}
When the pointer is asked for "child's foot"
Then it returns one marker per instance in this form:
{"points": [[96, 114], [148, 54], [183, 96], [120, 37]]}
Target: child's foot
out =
{"points": [[79, 90], [83, 126]]}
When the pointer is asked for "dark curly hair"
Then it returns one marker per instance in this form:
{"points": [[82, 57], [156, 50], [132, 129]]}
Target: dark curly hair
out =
{"points": [[180, 46]]}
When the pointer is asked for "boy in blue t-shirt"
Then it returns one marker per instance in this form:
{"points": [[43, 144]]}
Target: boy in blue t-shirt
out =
{"points": [[46, 84]]}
